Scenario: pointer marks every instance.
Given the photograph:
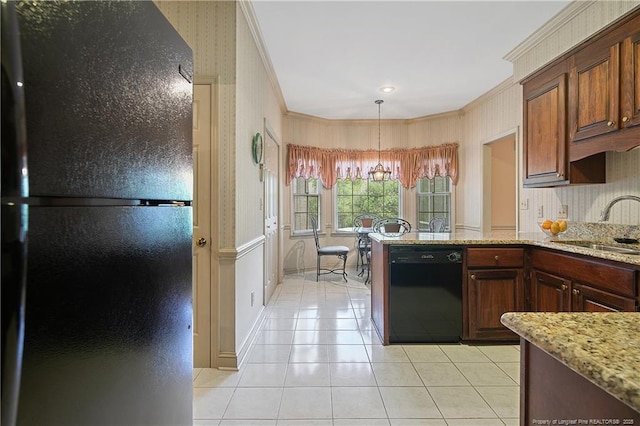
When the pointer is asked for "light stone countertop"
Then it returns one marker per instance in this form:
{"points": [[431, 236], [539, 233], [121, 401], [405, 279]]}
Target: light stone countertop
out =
{"points": [[469, 238], [602, 347]]}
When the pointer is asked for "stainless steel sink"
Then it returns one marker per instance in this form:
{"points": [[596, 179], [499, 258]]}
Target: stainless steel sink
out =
{"points": [[602, 247]]}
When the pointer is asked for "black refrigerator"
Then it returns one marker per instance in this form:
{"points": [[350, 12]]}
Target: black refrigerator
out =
{"points": [[96, 215]]}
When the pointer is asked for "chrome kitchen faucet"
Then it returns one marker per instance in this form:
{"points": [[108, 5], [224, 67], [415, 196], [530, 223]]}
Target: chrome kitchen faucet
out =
{"points": [[605, 213]]}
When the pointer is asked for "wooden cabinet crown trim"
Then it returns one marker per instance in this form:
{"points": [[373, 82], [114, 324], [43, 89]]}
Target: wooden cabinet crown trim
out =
{"points": [[615, 28]]}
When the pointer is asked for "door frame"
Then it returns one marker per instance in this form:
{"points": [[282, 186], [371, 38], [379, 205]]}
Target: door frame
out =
{"points": [[268, 131], [486, 178], [214, 301]]}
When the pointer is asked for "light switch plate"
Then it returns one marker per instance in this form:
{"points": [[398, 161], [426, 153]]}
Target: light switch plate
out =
{"points": [[563, 211]]}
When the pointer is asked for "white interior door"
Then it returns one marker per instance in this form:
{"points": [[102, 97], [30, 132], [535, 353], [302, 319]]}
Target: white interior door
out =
{"points": [[202, 319], [271, 203]]}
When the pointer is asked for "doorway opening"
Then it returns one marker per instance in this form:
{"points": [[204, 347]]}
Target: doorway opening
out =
{"points": [[500, 186]]}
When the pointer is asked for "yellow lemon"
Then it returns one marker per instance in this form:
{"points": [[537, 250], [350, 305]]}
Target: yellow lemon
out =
{"points": [[562, 225], [546, 224], [555, 228]]}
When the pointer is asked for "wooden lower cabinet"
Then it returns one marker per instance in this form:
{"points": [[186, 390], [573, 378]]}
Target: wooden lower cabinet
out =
{"points": [[491, 293], [589, 299], [567, 283], [549, 293], [494, 285]]}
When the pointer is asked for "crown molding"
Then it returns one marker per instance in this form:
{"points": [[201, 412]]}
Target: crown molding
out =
{"points": [[247, 10], [501, 87], [299, 115], [556, 22]]}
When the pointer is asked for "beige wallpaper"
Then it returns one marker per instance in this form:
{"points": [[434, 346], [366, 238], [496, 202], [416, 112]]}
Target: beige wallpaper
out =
{"points": [[210, 29], [224, 47]]}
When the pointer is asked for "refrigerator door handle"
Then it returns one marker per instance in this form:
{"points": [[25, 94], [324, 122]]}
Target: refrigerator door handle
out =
{"points": [[14, 188]]}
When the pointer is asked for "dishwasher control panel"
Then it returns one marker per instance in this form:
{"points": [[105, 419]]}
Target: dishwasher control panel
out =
{"points": [[421, 254]]}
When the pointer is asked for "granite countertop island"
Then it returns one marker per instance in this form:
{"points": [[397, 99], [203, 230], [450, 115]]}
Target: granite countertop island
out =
{"points": [[604, 348], [470, 238]]}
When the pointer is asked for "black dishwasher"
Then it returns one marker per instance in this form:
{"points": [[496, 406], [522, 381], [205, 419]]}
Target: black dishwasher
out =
{"points": [[425, 294]]}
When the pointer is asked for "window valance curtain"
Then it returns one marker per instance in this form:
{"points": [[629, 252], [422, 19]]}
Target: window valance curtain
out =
{"points": [[406, 165]]}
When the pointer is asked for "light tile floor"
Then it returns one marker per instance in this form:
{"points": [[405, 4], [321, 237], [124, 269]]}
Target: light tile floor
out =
{"points": [[317, 361]]}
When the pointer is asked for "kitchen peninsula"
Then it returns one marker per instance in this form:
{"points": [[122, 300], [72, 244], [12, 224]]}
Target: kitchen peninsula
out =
{"points": [[502, 272], [580, 367]]}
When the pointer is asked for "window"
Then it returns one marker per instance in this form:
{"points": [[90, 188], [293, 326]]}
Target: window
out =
{"points": [[434, 199], [306, 199], [365, 196]]}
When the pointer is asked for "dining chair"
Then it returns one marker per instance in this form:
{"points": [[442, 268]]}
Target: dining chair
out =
{"points": [[389, 226], [436, 224], [340, 251], [362, 225], [392, 226]]}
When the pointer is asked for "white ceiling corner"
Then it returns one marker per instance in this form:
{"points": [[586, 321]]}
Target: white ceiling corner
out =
{"points": [[329, 58]]}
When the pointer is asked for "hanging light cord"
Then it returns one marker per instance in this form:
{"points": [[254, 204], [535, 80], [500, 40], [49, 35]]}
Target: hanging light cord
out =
{"points": [[379, 102]]}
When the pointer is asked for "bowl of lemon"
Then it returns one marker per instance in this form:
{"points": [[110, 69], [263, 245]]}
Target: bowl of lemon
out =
{"points": [[553, 228]]}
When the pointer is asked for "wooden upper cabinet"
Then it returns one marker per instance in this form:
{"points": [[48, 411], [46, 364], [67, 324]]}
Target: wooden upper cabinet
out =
{"points": [[631, 80], [545, 143], [594, 92], [604, 92], [580, 106]]}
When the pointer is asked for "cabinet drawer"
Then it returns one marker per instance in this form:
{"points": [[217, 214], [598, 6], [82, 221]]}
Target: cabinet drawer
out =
{"points": [[495, 257], [617, 279]]}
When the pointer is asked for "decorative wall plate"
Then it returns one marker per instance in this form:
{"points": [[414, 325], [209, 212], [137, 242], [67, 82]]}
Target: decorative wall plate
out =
{"points": [[257, 148]]}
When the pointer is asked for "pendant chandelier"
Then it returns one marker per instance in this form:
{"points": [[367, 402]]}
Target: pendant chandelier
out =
{"points": [[378, 173]]}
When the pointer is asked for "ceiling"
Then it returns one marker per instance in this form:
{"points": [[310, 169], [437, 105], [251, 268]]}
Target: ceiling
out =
{"points": [[332, 57]]}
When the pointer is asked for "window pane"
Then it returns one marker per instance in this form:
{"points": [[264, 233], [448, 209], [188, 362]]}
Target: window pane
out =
{"points": [[434, 199], [366, 197], [440, 203], [305, 202], [313, 205], [312, 186], [298, 186], [441, 184], [344, 187], [345, 220], [300, 204]]}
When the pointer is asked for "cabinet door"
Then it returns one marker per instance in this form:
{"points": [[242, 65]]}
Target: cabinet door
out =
{"points": [[594, 92], [549, 293], [631, 81], [493, 292], [589, 299], [545, 147]]}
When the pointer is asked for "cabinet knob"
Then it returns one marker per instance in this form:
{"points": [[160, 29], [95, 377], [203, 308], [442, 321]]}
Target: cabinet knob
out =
{"points": [[625, 119], [559, 174], [201, 242], [610, 123], [497, 258], [576, 291], [564, 287], [473, 276]]}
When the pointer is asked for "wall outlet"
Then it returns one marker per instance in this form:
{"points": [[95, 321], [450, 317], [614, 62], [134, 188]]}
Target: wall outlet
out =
{"points": [[540, 212], [253, 297], [524, 204], [563, 212]]}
